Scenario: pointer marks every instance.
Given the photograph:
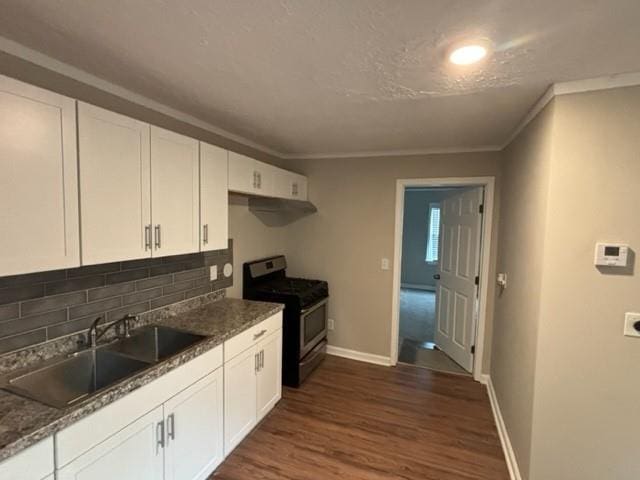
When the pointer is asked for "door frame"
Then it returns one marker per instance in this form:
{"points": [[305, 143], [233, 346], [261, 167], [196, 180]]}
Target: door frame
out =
{"points": [[485, 257]]}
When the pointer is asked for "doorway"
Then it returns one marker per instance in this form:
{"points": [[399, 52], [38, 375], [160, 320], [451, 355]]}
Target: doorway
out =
{"points": [[440, 270]]}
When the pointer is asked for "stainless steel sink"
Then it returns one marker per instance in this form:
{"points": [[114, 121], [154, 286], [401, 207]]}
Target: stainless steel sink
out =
{"points": [[63, 382], [153, 344]]}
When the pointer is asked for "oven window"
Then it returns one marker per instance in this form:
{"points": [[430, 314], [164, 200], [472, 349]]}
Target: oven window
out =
{"points": [[315, 323]]}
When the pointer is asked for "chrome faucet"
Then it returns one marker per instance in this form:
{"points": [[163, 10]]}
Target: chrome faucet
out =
{"points": [[93, 335]]}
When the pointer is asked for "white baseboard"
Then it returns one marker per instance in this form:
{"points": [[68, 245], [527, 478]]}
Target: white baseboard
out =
{"points": [[509, 454], [360, 356], [415, 286]]}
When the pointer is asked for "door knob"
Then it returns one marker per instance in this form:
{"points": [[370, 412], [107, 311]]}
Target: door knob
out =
{"points": [[436, 276]]}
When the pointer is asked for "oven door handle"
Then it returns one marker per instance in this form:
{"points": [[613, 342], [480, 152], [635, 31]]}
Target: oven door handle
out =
{"points": [[313, 307]]}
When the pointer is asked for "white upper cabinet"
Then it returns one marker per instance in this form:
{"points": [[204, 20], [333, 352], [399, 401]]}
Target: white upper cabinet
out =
{"points": [[38, 180], [214, 198], [115, 192], [247, 175], [175, 193]]}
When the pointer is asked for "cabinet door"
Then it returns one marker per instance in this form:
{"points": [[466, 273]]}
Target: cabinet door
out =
{"points": [[269, 378], [33, 463], [115, 195], [242, 173], [175, 193], [134, 453], [214, 198], [195, 436], [297, 186], [38, 180], [239, 398]]}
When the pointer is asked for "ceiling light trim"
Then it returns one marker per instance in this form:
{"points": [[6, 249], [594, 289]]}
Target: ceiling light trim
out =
{"points": [[42, 60]]}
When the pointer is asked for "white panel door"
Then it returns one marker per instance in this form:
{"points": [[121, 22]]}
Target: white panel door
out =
{"points": [[214, 198], [33, 463], [195, 435], [38, 180], [456, 294], [115, 190], [242, 173], [175, 193], [134, 453], [239, 397], [298, 186], [269, 389]]}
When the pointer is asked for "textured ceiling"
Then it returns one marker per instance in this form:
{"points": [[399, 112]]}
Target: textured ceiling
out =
{"points": [[336, 76]]}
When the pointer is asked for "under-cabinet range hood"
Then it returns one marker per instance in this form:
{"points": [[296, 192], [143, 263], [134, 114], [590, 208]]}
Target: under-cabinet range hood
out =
{"points": [[280, 211]]}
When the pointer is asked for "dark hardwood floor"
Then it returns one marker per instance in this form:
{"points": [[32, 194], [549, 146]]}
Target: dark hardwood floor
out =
{"points": [[353, 420]]}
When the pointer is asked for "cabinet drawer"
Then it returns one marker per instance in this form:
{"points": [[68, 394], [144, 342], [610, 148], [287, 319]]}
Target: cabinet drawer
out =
{"points": [[34, 463], [251, 336], [88, 432]]}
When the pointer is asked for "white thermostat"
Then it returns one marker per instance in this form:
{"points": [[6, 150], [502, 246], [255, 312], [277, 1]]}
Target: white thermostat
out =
{"points": [[611, 254]]}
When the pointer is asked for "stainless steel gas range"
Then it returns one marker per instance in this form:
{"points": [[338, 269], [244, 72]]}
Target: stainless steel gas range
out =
{"points": [[305, 314]]}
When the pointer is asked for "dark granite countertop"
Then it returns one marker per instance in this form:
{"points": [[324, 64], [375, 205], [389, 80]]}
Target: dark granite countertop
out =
{"points": [[24, 422]]}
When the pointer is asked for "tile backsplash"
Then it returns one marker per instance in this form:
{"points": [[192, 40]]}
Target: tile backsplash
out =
{"points": [[42, 306]]}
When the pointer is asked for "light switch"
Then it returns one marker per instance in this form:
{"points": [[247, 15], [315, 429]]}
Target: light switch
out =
{"points": [[384, 264], [213, 272], [632, 324]]}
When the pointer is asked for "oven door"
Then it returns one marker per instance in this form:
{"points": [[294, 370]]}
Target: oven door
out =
{"points": [[313, 326]]}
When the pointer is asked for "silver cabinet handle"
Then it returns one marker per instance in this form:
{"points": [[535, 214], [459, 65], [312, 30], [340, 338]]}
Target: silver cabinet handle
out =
{"points": [[259, 334], [157, 235], [255, 361], [261, 359], [205, 233], [294, 189], [171, 427], [147, 237], [255, 179], [159, 436]]}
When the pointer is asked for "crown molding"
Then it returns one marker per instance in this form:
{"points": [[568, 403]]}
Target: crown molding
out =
{"points": [[393, 153], [42, 60]]}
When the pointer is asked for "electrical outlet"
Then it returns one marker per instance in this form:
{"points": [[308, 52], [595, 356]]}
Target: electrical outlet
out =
{"points": [[330, 324], [384, 264], [213, 272], [632, 324]]}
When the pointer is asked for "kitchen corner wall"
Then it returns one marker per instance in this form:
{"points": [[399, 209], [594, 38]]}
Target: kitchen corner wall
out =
{"points": [[43, 306], [353, 229]]}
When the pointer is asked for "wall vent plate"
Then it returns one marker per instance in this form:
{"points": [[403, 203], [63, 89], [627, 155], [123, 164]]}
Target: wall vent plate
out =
{"points": [[632, 324]]}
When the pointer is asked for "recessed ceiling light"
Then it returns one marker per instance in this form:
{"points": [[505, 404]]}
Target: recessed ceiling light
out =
{"points": [[467, 54]]}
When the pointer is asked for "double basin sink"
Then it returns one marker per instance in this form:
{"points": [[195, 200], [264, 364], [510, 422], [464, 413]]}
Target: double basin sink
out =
{"points": [[66, 381]]}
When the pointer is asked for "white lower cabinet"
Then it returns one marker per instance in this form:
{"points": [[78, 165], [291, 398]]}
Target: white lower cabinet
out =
{"points": [[194, 430], [133, 453], [34, 463], [253, 382]]}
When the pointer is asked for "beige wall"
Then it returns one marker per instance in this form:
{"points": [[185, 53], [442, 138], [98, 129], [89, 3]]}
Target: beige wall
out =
{"points": [[586, 416], [354, 228], [523, 214], [252, 239]]}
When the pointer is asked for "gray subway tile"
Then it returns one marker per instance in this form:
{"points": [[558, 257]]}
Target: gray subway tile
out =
{"points": [[74, 284], [166, 269], [189, 275], [7, 312], [111, 291], [26, 324], [179, 287], [127, 276], [52, 303], [154, 282], [32, 278], [67, 328], [95, 308], [140, 263], [186, 257], [91, 270], [16, 342], [167, 300], [117, 314], [16, 294], [142, 296], [196, 292]]}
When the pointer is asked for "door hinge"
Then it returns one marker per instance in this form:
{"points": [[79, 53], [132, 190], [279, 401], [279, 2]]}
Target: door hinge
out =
{"points": [[473, 349], [481, 208], [477, 281]]}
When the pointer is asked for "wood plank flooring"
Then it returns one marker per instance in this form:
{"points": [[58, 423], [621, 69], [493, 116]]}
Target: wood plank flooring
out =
{"points": [[353, 420]]}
